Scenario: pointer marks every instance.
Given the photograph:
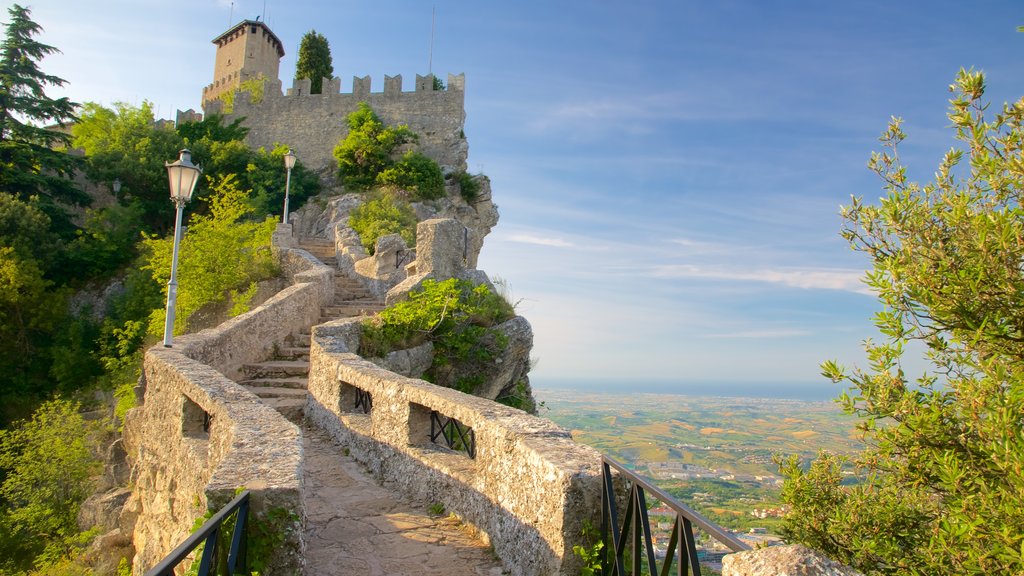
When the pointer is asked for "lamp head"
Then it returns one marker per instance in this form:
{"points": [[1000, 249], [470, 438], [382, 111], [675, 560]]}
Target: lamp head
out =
{"points": [[183, 176], [289, 160]]}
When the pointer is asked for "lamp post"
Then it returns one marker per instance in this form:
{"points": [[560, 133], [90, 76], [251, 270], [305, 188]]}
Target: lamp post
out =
{"points": [[289, 163], [182, 176], [116, 185]]}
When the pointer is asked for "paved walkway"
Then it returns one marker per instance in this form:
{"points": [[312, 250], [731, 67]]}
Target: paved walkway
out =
{"points": [[356, 527]]}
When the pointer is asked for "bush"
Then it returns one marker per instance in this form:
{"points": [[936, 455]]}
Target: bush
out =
{"points": [[366, 151], [414, 173], [220, 252], [469, 187], [456, 316], [381, 216]]}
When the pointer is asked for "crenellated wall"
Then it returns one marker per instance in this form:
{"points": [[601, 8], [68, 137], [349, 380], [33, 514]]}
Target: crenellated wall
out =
{"points": [[528, 489], [313, 124], [198, 436]]}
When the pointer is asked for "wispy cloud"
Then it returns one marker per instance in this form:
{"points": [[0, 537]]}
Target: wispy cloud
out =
{"points": [[807, 278], [541, 240], [766, 333]]}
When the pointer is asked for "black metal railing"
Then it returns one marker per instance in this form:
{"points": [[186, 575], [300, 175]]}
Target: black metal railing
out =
{"points": [[631, 537], [453, 433], [363, 401], [209, 533]]}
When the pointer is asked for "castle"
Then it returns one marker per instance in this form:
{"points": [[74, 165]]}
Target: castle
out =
{"points": [[312, 124]]}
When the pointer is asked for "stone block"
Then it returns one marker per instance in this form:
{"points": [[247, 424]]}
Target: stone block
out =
{"points": [[793, 560]]}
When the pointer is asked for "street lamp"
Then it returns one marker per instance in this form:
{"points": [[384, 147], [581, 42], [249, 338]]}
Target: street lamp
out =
{"points": [[116, 185], [182, 176], [289, 163]]}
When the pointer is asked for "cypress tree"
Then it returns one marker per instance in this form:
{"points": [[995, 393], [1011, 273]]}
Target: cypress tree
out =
{"points": [[314, 61]]}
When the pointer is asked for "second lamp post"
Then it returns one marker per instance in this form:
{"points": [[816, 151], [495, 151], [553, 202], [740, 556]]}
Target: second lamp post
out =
{"points": [[289, 163]]}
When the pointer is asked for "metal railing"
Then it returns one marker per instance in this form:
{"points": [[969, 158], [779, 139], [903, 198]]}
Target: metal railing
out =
{"points": [[209, 533], [632, 536], [363, 401], [452, 433]]}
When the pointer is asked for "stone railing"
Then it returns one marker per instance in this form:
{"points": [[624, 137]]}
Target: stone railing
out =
{"points": [[198, 436], [528, 487]]}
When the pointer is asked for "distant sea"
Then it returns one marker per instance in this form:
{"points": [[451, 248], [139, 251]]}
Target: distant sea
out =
{"points": [[809, 392]]}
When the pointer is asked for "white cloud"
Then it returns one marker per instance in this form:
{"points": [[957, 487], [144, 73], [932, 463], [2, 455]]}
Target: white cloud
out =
{"points": [[765, 333], [541, 240], [808, 278]]}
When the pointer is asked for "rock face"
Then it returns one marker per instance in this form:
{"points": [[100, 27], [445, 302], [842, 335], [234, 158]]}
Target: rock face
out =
{"points": [[795, 560]]}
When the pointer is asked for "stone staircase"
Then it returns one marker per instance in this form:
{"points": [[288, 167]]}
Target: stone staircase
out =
{"points": [[280, 381]]}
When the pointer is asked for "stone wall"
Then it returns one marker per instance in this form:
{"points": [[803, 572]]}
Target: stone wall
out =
{"points": [[529, 488], [313, 124], [198, 436]]}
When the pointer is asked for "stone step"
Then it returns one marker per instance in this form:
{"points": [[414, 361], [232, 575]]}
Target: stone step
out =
{"points": [[267, 392], [302, 339], [296, 382], [349, 310], [293, 409], [292, 353], [276, 369]]}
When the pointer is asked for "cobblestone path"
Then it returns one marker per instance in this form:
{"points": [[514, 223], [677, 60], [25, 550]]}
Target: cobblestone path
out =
{"points": [[356, 527]]}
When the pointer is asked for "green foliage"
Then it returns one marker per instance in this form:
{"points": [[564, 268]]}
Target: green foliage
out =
{"points": [[125, 143], [469, 187], [30, 310], [220, 252], [590, 551], [436, 509], [944, 462], [256, 87], [382, 215], [456, 316], [314, 61], [107, 241], [265, 175], [46, 465], [367, 148], [414, 173], [519, 397], [438, 84], [33, 158], [212, 128]]}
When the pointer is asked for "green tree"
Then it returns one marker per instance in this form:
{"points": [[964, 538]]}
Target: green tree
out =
{"points": [[367, 148], [46, 466], [314, 61], [943, 471], [33, 158], [212, 128], [125, 143], [221, 252]]}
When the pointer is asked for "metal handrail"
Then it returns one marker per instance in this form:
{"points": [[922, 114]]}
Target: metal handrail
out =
{"points": [[637, 524], [209, 533]]}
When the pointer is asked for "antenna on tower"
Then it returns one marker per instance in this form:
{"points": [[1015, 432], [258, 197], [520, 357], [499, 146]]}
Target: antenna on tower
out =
{"points": [[430, 63], [264, 10], [231, 14]]}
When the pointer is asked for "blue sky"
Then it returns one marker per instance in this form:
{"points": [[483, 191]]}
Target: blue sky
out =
{"points": [[668, 173]]}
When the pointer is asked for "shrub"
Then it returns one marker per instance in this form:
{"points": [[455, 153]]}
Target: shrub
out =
{"points": [[380, 216], [456, 316], [367, 148], [469, 187], [414, 173], [220, 252]]}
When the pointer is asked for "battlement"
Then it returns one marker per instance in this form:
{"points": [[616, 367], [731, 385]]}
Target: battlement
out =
{"points": [[312, 124]]}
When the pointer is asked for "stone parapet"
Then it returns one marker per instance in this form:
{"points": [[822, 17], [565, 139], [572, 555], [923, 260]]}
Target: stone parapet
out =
{"points": [[528, 489], [783, 561], [199, 436]]}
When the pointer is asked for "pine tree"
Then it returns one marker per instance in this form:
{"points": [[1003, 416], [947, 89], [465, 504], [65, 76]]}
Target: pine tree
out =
{"points": [[33, 157], [314, 61]]}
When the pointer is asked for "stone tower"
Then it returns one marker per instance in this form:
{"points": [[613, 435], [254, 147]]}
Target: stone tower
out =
{"points": [[247, 50]]}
